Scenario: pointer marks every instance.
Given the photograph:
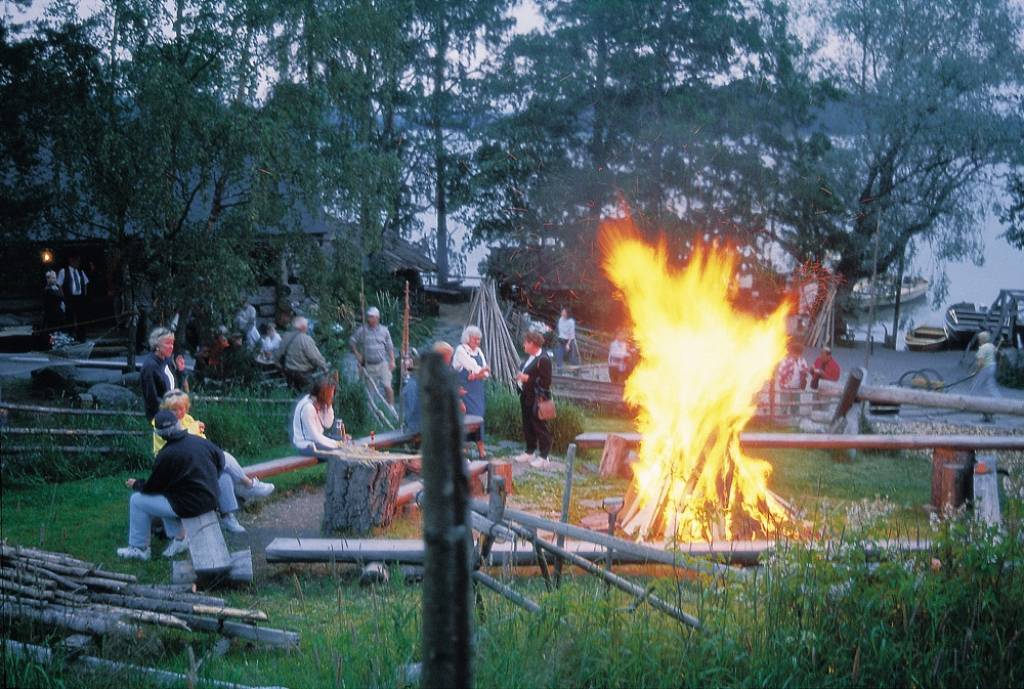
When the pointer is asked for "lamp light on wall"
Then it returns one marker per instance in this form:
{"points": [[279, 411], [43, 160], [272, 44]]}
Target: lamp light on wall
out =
{"points": [[46, 256]]}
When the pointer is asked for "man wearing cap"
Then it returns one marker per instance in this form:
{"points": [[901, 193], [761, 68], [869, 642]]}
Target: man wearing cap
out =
{"points": [[824, 367], [299, 356], [371, 343], [187, 480]]}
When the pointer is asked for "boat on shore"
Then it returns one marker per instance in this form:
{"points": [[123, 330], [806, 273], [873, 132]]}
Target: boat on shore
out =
{"points": [[927, 338], [1004, 319], [912, 289]]}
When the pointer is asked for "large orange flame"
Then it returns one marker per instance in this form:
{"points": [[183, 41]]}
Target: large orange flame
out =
{"points": [[702, 363]]}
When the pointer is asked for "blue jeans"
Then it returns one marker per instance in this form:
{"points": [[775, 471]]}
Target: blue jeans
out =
{"points": [[144, 507]]}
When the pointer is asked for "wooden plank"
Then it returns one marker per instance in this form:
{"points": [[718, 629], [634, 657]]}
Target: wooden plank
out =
{"points": [[67, 410], [409, 551], [986, 490], [206, 545], [408, 491], [827, 441], [73, 432], [282, 465]]}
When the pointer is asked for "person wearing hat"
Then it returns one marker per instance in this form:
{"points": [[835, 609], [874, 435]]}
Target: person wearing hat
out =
{"points": [[187, 480], [824, 367], [299, 357], [371, 344]]}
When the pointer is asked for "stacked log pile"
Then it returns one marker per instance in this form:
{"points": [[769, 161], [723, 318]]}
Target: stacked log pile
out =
{"points": [[60, 591]]}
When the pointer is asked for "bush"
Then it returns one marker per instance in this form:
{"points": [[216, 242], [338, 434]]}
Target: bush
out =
{"points": [[1010, 369], [504, 419]]}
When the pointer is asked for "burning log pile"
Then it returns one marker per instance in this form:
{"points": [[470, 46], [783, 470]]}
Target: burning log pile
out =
{"points": [[64, 592]]}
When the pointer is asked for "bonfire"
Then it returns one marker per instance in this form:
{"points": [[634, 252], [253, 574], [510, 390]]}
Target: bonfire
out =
{"points": [[702, 363]]}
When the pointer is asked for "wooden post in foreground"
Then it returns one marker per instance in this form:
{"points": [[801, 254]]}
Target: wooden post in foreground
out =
{"points": [[448, 559], [570, 460]]}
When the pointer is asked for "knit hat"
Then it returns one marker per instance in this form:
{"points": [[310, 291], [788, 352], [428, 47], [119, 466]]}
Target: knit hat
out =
{"points": [[165, 422]]}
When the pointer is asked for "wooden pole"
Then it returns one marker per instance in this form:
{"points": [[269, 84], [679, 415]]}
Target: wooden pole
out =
{"points": [[613, 579], [665, 557], [447, 565], [846, 400], [825, 441], [506, 591], [570, 460], [893, 395]]}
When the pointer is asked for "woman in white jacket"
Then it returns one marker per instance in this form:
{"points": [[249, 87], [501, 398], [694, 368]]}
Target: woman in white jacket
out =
{"points": [[313, 417]]}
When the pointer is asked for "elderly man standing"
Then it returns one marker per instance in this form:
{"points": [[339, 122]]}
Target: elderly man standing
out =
{"points": [[299, 356], [371, 343]]}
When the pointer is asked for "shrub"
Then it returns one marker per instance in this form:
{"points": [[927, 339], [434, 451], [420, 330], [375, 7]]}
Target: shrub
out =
{"points": [[1010, 369], [504, 419]]}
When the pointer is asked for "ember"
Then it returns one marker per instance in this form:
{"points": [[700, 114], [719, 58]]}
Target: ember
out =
{"points": [[702, 363]]}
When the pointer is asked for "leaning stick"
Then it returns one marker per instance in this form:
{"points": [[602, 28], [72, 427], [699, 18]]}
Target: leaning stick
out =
{"points": [[506, 591], [570, 460], [613, 579]]}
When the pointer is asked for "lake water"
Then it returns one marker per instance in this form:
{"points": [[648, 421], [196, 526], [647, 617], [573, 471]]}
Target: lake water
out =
{"points": [[1003, 269]]}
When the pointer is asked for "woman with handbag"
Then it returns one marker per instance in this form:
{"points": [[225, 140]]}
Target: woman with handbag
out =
{"points": [[535, 402]]}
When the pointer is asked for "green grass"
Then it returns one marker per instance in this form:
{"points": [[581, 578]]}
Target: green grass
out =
{"points": [[801, 620]]}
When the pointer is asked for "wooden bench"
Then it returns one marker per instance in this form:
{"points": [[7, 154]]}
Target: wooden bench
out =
{"points": [[388, 439]]}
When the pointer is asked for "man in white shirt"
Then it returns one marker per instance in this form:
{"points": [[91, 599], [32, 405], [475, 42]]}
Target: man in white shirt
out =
{"points": [[75, 284]]}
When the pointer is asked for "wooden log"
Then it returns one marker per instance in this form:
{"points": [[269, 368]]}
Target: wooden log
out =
{"points": [[495, 513], [888, 394], [986, 490], [153, 676], [171, 606], [502, 469], [206, 546], [615, 458], [814, 441], [69, 411], [62, 449], [75, 619], [87, 432], [506, 591], [570, 461], [950, 469], [25, 591], [361, 494], [266, 636], [282, 465], [447, 565]]}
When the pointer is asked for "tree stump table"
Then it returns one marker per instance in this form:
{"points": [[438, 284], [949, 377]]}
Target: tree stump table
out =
{"points": [[361, 489]]}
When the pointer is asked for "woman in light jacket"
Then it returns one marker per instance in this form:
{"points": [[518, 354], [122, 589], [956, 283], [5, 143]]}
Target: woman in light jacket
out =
{"points": [[313, 417], [471, 366]]}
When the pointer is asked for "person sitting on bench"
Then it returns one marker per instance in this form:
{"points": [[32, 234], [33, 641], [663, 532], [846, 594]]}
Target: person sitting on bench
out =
{"points": [[187, 481], [313, 417], [249, 488]]}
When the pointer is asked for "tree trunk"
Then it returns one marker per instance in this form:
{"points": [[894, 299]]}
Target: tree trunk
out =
{"points": [[899, 294], [950, 477], [440, 197], [361, 494]]}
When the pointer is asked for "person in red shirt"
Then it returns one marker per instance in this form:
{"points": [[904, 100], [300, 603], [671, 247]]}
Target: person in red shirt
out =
{"points": [[824, 367]]}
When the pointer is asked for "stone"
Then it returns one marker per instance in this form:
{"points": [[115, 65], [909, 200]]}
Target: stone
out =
{"points": [[115, 396]]}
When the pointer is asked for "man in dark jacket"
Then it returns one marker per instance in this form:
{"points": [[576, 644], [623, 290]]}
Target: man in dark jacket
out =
{"points": [[160, 373], [187, 481], [534, 380]]}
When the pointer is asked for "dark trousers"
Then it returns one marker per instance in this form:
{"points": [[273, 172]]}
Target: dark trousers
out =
{"points": [[75, 306], [535, 432]]}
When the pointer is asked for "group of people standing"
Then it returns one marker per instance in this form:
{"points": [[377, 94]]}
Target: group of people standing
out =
{"points": [[64, 298]]}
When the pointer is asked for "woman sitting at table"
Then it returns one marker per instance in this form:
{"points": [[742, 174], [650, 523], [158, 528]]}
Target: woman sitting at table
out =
{"points": [[314, 416]]}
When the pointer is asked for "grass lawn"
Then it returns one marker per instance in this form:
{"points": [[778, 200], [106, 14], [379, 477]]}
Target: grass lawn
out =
{"points": [[799, 621]]}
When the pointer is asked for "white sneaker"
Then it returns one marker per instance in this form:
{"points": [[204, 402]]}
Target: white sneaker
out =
{"points": [[178, 545], [258, 489], [230, 522], [524, 457], [133, 553], [540, 463]]}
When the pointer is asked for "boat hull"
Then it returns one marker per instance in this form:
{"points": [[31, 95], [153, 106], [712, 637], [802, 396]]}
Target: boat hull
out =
{"points": [[927, 339]]}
